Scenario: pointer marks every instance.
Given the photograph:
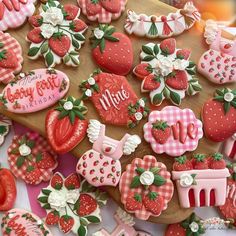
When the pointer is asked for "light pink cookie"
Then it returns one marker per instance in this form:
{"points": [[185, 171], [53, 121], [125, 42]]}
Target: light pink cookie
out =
{"points": [[146, 187], [17, 222], [103, 11], [34, 91], [173, 131], [101, 166], [13, 13], [10, 57]]}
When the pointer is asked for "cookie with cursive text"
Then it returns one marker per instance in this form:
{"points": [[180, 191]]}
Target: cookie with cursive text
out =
{"points": [[114, 99], [34, 91], [5, 124], [13, 13], [10, 57], [173, 131], [18, 222], [103, 11], [57, 35]]}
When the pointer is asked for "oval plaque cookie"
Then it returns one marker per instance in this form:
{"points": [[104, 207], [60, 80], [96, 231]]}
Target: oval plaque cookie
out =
{"points": [[20, 222], [34, 91]]}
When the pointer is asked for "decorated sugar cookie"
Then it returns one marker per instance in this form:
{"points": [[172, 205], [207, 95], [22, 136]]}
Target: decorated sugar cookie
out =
{"points": [[218, 64], [229, 148], [162, 26], [146, 187], [5, 124], [103, 11], [31, 158], [13, 13], [166, 72], [8, 189], [218, 115], [10, 57], [202, 181], [34, 91], [173, 131], [112, 51], [114, 99], [57, 35], [65, 125], [17, 222], [100, 165], [71, 204]]}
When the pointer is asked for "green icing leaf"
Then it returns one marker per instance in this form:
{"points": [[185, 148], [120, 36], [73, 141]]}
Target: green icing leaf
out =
{"points": [[175, 98], [33, 51], [76, 44], [148, 58], [159, 180], [157, 99], [44, 48], [79, 37], [82, 231], [49, 59], [156, 49], [93, 219], [20, 161], [135, 182], [43, 199], [3, 129], [147, 50]]}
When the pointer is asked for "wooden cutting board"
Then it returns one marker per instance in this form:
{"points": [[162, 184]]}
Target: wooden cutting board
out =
{"points": [[192, 39]]}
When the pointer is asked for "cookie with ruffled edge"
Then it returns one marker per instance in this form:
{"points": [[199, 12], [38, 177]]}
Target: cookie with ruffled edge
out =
{"points": [[146, 187]]}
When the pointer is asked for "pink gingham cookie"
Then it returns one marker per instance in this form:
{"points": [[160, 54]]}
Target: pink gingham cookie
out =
{"points": [[103, 11], [10, 57], [173, 131], [31, 158], [146, 187], [13, 13]]}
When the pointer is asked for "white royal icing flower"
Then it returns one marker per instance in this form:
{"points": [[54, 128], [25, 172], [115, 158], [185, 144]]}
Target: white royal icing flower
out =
{"points": [[91, 81], [133, 17], [47, 30], [147, 178], [98, 33], [165, 66], [53, 16], [88, 92], [228, 97], [138, 116], [194, 227], [180, 64], [186, 180], [24, 150], [72, 196], [68, 106], [57, 200], [141, 102]]}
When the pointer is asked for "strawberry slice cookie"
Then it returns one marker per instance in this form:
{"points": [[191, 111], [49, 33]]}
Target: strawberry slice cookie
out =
{"points": [[71, 204], [146, 187], [219, 114], [114, 99], [173, 131], [112, 51], [10, 57], [57, 35], [31, 158], [166, 72], [103, 11], [65, 125]]}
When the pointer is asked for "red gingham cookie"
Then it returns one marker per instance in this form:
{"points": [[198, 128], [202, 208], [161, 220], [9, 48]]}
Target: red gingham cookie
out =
{"points": [[101, 14], [164, 191], [9, 43], [34, 162]]}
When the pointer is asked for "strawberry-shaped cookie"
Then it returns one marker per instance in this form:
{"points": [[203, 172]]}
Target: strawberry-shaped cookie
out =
{"points": [[71, 204], [166, 72], [10, 57], [114, 99], [31, 158], [65, 125], [5, 124], [219, 114], [112, 51], [200, 181], [146, 187], [57, 35], [101, 165], [103, 11]]}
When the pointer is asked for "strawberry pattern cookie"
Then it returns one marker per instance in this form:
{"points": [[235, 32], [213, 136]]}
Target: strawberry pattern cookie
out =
{"points": [[13, 13], [65, 125], [103, 11], [219, 115], [112, 51], [173, 131], [101, 165], [71, 204], [201, 181], [31, 158], [57, 35], [146, 187], [114, 99], [166, 72], [10, 57]]}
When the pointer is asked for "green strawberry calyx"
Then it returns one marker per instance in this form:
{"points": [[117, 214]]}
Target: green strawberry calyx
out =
{"points": [[72, 108], [161, 125], [227, 97], [101, 34], [217, 156], [181, 159], [199, 157]]}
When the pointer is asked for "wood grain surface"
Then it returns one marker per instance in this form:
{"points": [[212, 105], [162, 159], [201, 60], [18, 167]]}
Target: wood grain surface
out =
{"points": [[191, 39]]}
